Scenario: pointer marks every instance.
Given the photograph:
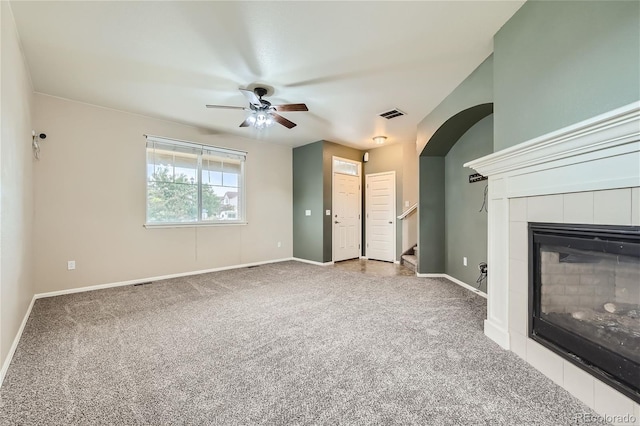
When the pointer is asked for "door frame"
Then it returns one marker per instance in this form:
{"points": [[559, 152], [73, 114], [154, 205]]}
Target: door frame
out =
{"points": [[333, 198], [394, 209]]}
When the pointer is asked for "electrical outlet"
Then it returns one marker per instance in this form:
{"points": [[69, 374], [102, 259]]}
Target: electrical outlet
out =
{"points": [[464, 261], [71, 265], [279, 244], [406, 204]]}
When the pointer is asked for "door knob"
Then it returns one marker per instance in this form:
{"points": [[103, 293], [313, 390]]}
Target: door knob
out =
{"points": [[336, 222], [390, 223]]}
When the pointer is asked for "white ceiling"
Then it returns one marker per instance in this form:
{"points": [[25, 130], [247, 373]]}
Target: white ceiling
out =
{"points": [[348, 61]]}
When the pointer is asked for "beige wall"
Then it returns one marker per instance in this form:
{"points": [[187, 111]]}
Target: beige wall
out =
{"points": [[16, 185], [403, 159], [410, 195], [386, 159], [90, 201]]}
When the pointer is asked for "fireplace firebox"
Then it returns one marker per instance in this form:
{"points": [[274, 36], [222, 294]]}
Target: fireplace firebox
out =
{"points": [[584, 298]]}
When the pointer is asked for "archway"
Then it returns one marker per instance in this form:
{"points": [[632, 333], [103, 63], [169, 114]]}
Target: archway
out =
{"points": [[433, 168]]}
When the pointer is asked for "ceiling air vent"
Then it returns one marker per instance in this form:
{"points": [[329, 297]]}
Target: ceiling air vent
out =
{"points": [[393, 113]]}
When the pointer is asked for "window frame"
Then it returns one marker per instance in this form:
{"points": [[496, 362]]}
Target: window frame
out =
{"points": [[203, 151]]}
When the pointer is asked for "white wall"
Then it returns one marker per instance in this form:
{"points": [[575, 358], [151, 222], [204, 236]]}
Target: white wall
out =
{"points": [[16, 186], [90, 201]]}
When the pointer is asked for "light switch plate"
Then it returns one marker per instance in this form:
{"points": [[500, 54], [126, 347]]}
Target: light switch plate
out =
{"points": [[307, 212], [328, 212]]}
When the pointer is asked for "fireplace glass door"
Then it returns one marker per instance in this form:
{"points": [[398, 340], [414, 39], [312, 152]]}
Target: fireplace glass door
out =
{"points": [[585, 298]]}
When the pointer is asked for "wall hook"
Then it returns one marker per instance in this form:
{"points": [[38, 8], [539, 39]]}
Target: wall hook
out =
{"points": [[35, 143]]}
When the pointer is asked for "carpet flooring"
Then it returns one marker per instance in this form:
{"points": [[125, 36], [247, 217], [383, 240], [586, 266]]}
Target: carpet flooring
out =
{"points": [[285, 343]]}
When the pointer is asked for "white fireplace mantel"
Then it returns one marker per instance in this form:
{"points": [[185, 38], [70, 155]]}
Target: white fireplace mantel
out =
{"points": [[604, 147], [598, 154]]}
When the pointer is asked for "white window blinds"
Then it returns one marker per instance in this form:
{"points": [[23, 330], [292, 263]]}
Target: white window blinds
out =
{"points": [[190, 183]]}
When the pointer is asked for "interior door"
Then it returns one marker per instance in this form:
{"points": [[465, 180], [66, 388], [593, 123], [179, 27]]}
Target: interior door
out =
{"points": [[347, 208], [381, 216]]}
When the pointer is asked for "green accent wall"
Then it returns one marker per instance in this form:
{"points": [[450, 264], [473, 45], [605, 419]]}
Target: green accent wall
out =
{"points": [[449, 133], [431, 216], [312, 186], [465, 224], [559, 62], [555, 63], [438, 132], [307, 195], [476, 89]]}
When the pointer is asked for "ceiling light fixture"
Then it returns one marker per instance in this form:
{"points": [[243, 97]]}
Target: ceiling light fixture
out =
{"points": [[261, 119], [379, 140]]}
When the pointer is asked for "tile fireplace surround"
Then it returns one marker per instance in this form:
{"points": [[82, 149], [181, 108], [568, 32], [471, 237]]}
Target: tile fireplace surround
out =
{"points": [[587, 173]]}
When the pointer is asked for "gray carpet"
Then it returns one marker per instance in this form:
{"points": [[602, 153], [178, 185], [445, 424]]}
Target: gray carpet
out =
{"points": [[286, 343]]}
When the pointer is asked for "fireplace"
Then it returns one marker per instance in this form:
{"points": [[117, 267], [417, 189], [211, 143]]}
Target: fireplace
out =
{"points": [[586, 173], [584, 298]]}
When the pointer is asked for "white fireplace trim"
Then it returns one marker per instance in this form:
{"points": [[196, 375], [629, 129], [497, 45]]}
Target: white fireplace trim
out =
{"points": [[600, 153], [612, 129]]}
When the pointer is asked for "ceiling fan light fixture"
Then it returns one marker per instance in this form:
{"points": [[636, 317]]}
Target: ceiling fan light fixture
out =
{"points": [[379, 140], [261, 113], [261, 119]]}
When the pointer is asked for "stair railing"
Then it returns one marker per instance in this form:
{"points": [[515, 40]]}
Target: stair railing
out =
{"points": [[408, 211]]}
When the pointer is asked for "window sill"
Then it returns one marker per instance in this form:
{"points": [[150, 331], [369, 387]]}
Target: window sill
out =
{"points": [[191, 225]]}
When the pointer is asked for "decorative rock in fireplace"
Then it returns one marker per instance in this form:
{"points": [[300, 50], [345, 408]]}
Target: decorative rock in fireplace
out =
{"points": [[587, 174], [584, 298]]}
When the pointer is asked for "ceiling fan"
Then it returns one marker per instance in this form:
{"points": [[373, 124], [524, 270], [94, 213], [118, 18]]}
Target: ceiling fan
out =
{"points": [[263, 114]]}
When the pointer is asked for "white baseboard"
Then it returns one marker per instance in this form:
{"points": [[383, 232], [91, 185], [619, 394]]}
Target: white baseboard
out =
{"points": [[16, 340], [156, 278], [497, 334], [7, 362], [455, 280], [312, 262]]}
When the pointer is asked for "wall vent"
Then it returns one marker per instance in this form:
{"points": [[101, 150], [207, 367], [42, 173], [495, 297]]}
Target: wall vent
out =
{"points": [[393, 113]]}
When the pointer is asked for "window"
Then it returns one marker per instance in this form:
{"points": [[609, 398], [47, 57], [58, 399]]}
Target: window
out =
{"points": [[345, 167], [189, 183]]}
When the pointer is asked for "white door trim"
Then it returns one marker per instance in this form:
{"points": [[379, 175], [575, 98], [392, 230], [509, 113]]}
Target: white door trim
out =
{"points": [[394, 219], [359, 163]]}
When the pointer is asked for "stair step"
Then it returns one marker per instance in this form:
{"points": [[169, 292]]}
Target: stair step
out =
{"points": [[410, 258], [410, 261]]}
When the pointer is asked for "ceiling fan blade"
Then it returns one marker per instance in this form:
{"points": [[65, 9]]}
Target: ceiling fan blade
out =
{"points": [[286, 123], [251, 97], [291, 107], [246, 123], [226, 107]]}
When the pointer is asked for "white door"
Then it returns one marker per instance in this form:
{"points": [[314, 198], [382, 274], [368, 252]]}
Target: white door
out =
{"points": [[381, 216], [347, 208]]}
